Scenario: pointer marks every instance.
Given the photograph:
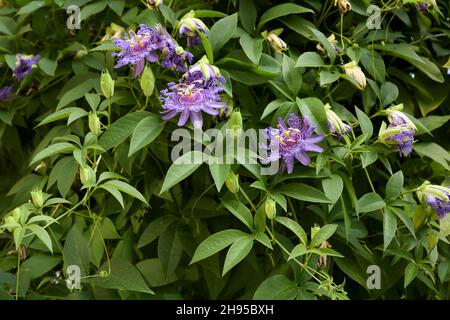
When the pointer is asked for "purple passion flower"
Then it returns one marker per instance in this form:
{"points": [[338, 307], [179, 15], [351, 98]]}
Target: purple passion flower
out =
{"points": [[190, 98], [424, 7], [149, 44], [204, 72], [190, 27], [438, 197], [400, 131], [292, 141], [24, 65], [6, 93]]}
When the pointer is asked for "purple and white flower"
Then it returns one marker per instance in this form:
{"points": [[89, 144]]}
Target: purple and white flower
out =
{"points": [[24, 65], [192, 96], [438, 197], [400, 131], [292, 141], [150, 44], [190, 27]]}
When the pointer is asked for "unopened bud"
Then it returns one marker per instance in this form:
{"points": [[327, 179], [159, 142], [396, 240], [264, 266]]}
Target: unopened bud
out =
{"points": [[232, 182], [314, 231], [94, 123], [87, 176], [147, 81], [235, 123], [353, 71], [38, 198], [154, 4], [270, 207], [107, 84]]}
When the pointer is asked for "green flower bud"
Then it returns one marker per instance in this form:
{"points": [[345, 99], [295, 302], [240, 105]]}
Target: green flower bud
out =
{"points": [[94, 124], [232, 182], [270, 207], [147, 81], [353, 71], [314, 231], [107, 84], [235, 123], [38, 198], [104, 273], [87, 176]]}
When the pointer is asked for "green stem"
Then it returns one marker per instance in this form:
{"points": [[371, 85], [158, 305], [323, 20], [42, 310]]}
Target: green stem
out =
{"points": [[370, 180], [18, 274], [248, 199]]}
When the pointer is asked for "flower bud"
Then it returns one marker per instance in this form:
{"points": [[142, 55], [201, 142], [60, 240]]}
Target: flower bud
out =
{"points": [[104, 273], [276, 43], [235, 124], [190, 27], [438, 197], [401, 136], [107, 84], [38, 198], [154, 4], [94, 123], [336, 125], [353, 71], [147, 81], [397, 117], [270, 208], [314, 231], [82, 52], [232, 182], [208, 70], [343, 5], [87, 176], [112, 32]]}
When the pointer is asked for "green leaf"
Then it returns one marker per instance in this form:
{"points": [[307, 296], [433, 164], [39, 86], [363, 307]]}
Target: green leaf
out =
{"points": [[48, 66], [373, 63], [252, 47], [262, 238], [38, 265], [389, 227], [309, 59], [155, 229], [314, 109], [411, 272], [365, 123], [323, 234], [182, 168], [114, 192], [433, 151], [389, 93], [292, 76], [60, 114], [219, 172], [54, 149], [247, 14], [369, 202], [394, 185], [403, 216], [126, 188], [406, 52], [121, 129], [76, 251], [31, 7], [281, 11], [294, 227], [222, 31], [216, 243], [434, 122], [327, 77], [145, 132], [63, 173], [299, 250], [238, 209], [303, 192], [277, 287], [367, 158], [77, 92], [123, 276], [333, 187], [207, 46], [237, 252], [153, 272], [42, 234]]}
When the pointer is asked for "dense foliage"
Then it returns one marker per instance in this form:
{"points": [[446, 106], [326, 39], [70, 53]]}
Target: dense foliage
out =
{"points": [[350, 97]]}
